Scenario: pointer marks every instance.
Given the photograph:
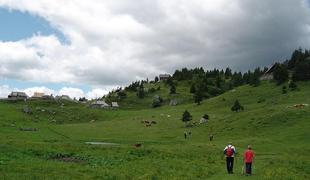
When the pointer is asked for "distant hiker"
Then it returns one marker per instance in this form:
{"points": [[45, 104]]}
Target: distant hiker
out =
{"points": [[248, 157], [211, 137], [230, 152], [185, 135], [189, 134]]}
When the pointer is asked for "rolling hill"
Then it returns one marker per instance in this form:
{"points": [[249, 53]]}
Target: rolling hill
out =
{"points": [[50, 141]]}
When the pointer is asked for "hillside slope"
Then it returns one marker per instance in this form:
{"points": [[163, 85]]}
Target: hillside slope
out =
{"points": [[278, 132]]}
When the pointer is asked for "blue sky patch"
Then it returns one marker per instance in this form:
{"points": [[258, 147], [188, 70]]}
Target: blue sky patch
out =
{"points": [[17, 25], [54, 86]]}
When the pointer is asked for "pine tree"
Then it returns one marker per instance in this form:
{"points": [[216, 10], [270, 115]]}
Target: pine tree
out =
{"points": [[140, 92], [172, 89], [157, 100], [228, 73], [156, 79], [237, 106], [186, 117], [280, 73], [237, 79], [169, 81], [193, 89], [198, 96], [284, 91], [295, 59], [302, 71], [254, 78], [292, 86], [218, 81]]}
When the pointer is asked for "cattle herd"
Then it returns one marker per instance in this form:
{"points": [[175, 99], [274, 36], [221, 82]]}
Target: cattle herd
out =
{"points": [[147, 123]]}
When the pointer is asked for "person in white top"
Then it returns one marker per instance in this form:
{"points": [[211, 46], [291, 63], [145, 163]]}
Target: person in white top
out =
{"points": [[230, 152]]}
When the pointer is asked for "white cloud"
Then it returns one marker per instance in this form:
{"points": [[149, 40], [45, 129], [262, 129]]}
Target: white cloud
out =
{"points": [[72, 92], [97, 93], [32, 90], [5, 90], [114, 42]]}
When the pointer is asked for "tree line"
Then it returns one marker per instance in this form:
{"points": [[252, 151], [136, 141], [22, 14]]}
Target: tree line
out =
{"points": [[209, 83]]}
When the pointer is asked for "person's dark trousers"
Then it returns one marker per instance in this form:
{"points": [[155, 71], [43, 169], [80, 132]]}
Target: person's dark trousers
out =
{"points": [[230, 164], [248, 168]]}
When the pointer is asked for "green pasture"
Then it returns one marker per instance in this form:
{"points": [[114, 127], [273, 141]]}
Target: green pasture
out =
{"points": [[278, 132]]}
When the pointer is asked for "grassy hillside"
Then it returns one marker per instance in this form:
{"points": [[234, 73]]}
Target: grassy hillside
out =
{"points": [[182, 96], [278, 132]]}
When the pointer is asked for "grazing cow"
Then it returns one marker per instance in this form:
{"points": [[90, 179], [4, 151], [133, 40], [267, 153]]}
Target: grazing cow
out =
{"points": [[211, 137], [137, 145], [300, 105], [27, 129]]}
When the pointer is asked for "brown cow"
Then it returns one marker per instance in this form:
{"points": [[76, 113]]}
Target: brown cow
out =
{"points": [[137, 145]]}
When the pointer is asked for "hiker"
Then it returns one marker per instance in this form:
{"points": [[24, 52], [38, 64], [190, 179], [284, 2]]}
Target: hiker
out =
{"points": [[230, 152], [185, 134], [189, 134], [248, 157]]}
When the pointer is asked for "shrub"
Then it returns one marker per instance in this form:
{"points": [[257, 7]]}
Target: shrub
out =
{"points": [[186, 117], [140, 93], [172, 89], [198, 96], [152, 90], [157, 100], [206, 116], [122, 94], [237, 106], [284, 91], [280, 73], [302, 71], [292, 86], [193, 89], [260, 100]]}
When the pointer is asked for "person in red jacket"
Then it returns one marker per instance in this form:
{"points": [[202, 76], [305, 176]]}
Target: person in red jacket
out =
{"points": [[230, 152], [248, 157]]}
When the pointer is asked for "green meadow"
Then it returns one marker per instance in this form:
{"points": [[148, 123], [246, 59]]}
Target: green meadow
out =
{"points": [[50, 142]]}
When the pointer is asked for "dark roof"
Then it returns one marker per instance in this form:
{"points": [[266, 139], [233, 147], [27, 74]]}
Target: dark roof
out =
{"points": [[164, 75], [18, 94], [307, 58], [271, 69]]}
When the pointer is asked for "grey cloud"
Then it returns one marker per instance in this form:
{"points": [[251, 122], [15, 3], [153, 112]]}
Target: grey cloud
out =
{"points": [[172, 34], [259, 34]]}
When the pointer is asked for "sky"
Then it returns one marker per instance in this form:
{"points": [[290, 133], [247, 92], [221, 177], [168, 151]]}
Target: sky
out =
{"points": [[86, 48]]}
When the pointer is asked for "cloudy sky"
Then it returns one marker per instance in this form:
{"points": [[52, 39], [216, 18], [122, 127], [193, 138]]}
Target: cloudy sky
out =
{"points": [[86, 48]]}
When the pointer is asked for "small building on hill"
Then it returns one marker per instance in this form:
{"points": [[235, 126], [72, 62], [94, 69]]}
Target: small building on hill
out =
{"points": [[99, 104], [115, 105], [268, 75], [17, 96], [163, 77], [37, 95], [48, 97], [173, 102], [63, 97]]}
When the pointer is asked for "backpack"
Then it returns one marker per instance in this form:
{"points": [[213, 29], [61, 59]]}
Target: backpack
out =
{"points": [[229, 151]]}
